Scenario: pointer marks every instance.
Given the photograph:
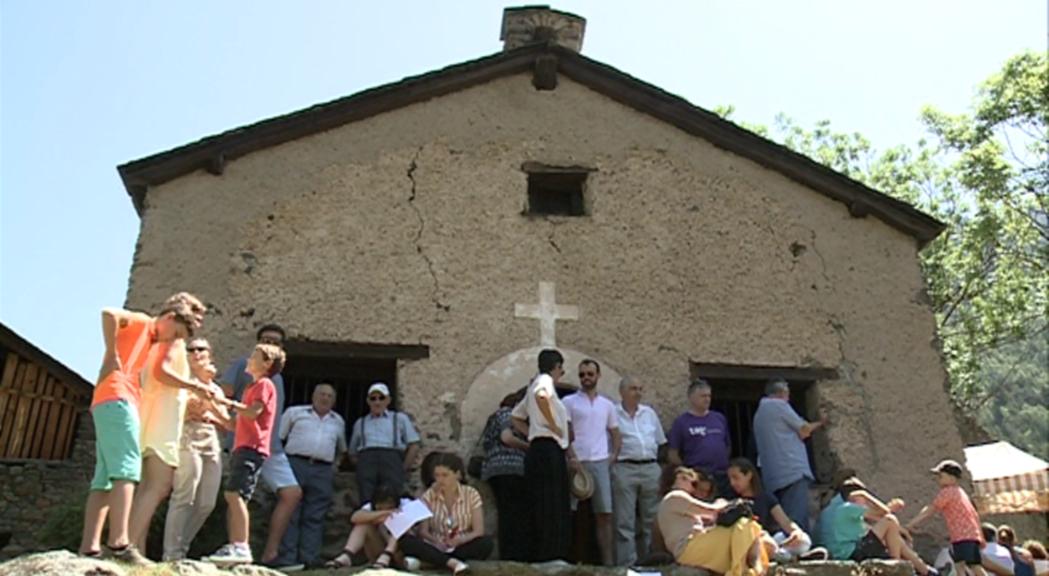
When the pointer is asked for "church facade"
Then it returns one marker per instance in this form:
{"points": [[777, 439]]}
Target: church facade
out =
{"points": [[437, 232]]}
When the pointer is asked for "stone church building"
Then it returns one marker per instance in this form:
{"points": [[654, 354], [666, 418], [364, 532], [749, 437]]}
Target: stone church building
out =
{"points": [[434, 233]]}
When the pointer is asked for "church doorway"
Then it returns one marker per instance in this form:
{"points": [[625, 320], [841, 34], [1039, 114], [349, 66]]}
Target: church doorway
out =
{"points": [[737, 390], [350, 368]]}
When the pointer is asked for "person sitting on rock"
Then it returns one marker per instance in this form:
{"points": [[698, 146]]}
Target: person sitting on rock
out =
{"points": [[455, 532], [688, 527], [785, 539], [843, 528], [368, 530], [702, 488]]}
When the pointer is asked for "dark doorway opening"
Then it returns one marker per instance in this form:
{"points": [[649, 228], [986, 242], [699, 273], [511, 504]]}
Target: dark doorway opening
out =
{"points": [[737, 390], [350, 368]]}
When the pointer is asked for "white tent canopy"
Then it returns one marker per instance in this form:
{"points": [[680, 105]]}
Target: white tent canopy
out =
{"points": [[1007, 479]]}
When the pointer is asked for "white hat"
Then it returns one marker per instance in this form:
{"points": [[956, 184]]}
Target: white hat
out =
{"points": [[380, 388], [582, 484]]}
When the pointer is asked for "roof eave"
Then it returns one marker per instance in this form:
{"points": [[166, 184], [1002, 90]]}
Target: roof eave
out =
{"points": [[213, 152]]}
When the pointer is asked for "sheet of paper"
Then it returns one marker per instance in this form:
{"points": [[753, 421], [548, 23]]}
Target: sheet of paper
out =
{"points": [[409, 515]]}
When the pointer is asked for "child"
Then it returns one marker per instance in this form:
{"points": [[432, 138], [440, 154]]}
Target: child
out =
{"points": [[789, 541], [963, 524], [368, 523], [251, 447]]}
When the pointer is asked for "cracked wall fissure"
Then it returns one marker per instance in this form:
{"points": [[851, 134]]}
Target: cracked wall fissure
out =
{"points": [[436, 297], [847, 369]]}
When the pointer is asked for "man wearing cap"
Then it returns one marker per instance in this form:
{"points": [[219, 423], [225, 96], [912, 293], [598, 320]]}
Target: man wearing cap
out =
{"points": [[384, 444], [314, 438], [780, 436], [594, 446], [635, 475]]}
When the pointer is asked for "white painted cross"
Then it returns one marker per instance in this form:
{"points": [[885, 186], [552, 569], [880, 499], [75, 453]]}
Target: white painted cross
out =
{"points": [[548, 312]]}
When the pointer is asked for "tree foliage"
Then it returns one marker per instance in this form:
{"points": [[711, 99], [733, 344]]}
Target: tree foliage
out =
{"points": [[985, 174]]}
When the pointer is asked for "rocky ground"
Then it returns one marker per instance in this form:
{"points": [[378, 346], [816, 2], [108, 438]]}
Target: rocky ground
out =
{"points": [[63, 563]]}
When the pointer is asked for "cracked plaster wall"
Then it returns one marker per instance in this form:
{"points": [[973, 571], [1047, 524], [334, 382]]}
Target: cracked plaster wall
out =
{"points": [[407, 228]]}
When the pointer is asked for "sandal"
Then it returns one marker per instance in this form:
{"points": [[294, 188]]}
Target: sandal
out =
{"points": [[343, 560], [383, 561]]}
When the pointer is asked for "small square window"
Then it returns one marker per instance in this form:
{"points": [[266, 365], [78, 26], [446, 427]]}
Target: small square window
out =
{"points": [[556, 193]]}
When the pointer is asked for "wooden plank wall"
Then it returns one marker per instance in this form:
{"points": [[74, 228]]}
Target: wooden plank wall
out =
{"points": [[37, 411]]}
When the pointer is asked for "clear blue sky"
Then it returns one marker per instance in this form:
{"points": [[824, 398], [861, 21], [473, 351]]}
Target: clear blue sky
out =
{"points": [[86, 86]]}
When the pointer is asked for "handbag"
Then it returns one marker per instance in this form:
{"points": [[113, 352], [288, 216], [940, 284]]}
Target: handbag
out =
{"points": [[734, 511], [474, 466]]}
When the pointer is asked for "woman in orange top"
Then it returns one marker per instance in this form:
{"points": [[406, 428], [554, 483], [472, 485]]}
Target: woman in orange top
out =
{"points": [[128, 336]]}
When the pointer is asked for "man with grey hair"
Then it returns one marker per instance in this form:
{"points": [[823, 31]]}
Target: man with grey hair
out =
{"points": [[635, 474], [314, 439], [780, 435], [699, 438]]}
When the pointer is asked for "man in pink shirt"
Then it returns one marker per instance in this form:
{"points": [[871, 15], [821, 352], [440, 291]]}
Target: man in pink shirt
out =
{"points": [[595, 445]]}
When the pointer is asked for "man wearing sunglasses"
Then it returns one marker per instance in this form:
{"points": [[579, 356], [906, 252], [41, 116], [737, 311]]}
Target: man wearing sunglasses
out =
{"points": [[595, 446], [276, 472], [384, 444]]}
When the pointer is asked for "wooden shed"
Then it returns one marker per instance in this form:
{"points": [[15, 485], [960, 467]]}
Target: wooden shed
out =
{"points": [[39, 401]]}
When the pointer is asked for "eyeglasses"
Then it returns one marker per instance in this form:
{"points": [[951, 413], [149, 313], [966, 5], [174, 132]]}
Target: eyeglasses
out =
{"points": [[198, 349], [376, 398]]}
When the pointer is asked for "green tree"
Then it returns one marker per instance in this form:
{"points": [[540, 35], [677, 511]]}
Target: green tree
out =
{"points": [[986, 175]]}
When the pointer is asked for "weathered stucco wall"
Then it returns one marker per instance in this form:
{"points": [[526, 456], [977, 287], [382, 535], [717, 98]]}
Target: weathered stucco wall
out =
{"points": [[408, 228]]}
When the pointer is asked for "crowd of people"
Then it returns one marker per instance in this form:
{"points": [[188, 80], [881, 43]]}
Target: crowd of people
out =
{"points": [[165, 424]]}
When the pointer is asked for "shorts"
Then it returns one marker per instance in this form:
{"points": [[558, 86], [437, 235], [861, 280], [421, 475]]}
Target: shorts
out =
{"points": [[277, 473], [117, 452], [601, 472], [869, 548], [966, 551], [244, 468]]}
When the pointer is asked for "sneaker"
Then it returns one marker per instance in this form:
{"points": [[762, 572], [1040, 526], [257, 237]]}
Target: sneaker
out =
{"points": [[781, 556], [128, 554], [411, 563], [230, 554]]}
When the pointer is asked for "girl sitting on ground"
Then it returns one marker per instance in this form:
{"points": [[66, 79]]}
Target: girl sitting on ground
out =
{"points": [[788, 540], [456, 531], [368, 528]]}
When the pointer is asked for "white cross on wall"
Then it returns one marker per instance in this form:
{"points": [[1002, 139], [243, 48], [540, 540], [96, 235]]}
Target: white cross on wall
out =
{"points": [[548, 312]]}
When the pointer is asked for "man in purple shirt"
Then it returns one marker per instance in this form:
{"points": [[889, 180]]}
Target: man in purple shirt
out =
{"points": [[699, 438]]}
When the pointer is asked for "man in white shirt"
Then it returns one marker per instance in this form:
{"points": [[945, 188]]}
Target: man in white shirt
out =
{"points": [[635, 475], [994, 557], [314, 438], [595, 436], [546, 472]]}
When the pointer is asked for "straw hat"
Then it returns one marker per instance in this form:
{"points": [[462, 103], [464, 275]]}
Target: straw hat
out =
{"points": [[582, 484]]}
